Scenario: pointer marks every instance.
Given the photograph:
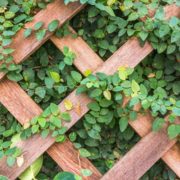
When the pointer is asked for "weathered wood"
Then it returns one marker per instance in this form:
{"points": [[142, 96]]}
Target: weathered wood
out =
{"points": [[84, 98], [24, 109], [81, 101], [68, 158], [85, 56], [141, 157], [24, 47]]}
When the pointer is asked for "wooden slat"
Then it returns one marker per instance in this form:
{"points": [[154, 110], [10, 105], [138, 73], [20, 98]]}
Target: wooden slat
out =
{"points": [[69, 159], [30, 154], [79, 101], [55, 10], [85, 56], [141, 157], [24, 109]]}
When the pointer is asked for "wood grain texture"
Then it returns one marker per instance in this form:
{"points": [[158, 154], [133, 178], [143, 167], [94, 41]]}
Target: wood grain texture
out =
{"points": [[85, 56], [68, 158], [141, 157], [24, 109], [24, 47], [78, 101], [82, 101], [82, 108]]}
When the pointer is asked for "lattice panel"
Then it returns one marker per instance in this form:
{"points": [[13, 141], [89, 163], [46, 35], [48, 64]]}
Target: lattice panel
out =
{"points": [[139, 159]]}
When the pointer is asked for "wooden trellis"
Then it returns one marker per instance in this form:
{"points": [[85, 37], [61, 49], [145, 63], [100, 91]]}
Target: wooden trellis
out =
{"points": [[139, 159]]}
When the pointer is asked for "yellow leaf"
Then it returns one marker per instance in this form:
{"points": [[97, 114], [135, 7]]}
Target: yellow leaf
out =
{"points": [[68, 104], [122, 8], [87, 72], [20, 161], [107, 94], [26, 125], [111, 2], [151, 75]]}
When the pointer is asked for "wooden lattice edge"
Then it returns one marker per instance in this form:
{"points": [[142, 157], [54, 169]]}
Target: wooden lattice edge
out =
{"points": [[24, 47], [10, 89], [35, 110]]}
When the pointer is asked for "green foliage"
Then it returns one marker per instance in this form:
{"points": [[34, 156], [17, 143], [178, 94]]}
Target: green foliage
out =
{"points": [[48, 122], [127, 22], [13, 15], [31, 172]]}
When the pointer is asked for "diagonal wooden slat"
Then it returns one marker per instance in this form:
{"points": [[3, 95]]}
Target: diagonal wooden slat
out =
{"points": [[24, 47], [143, 123], [83, 100], [7, 88], [149, 149], [25, 109]]}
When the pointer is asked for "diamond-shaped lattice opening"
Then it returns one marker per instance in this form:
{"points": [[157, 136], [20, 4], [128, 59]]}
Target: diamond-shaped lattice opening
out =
{"points": [[103, 33], [46, 76]]}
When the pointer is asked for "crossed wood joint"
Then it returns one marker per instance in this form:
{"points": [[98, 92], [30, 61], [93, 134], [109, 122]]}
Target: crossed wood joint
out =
{"points": [[139, 159]]}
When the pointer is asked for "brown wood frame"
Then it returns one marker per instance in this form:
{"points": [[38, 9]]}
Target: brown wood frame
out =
{"points": [[24, 109]]}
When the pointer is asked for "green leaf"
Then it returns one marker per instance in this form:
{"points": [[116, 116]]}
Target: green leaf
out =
{"points": [[157, 124], [86, 172], [173, 130], [27, 32], [76, 76], [66, 116], [54, 109], [56, 122], [40, 91], [143, 35], [133, 16], [94, 106], [9, 15], [49, 82], [42, 122], [38, 25], [176, 111], [3, 177], [11, 161], [8, 33], [45, 133], [84, 152], [35, 129], [72, 136], [95, 93], [6, 42], [124, 72], [53, 25], [123, 124], [64, 176], [31, 172], [133, 115], [40, 34], [171, 48], [55, 76], [135, 86], [60, 138]]}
